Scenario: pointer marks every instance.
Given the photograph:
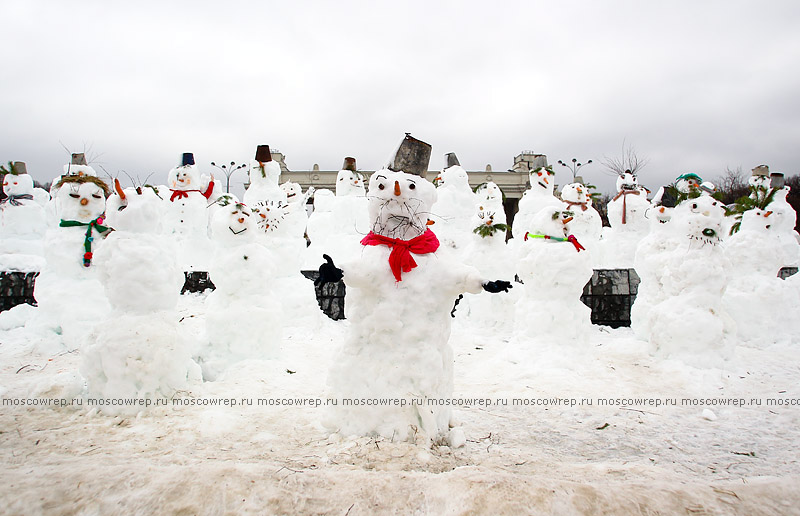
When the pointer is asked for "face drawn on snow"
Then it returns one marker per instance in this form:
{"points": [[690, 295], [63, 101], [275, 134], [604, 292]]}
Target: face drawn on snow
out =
{"points": [[400, 204], [184, 178], [81, 201], [704, 219], [543, 177], [270, 214], [239, 219]]}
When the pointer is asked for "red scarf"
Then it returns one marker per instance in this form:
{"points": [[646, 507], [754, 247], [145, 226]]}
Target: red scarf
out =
{"points": [[182, 194], [624, 194], [400, 259], [583, 206]]}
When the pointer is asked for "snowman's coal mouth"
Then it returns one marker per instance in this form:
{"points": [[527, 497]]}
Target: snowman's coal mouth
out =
{"points": [[237, 232]]}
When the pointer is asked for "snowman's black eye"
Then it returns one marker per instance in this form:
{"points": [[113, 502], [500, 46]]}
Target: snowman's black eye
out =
{"points": [[412, 186], [694, 206], [96, 196], [74, 195], [381, 186]]}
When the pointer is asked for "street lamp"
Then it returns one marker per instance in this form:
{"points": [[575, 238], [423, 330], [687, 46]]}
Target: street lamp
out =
{"points": [[228, 170], [574, 166]]}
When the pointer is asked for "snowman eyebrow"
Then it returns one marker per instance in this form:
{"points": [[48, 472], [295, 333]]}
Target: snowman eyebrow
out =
{"points": [[411, 181], [380, 176]]}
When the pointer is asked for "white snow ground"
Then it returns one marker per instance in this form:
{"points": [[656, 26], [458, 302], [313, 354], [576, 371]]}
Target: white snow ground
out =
{"points": [[536, 459]]}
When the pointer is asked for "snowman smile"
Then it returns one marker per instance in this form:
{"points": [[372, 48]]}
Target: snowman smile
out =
{"points": [[237, 232]]}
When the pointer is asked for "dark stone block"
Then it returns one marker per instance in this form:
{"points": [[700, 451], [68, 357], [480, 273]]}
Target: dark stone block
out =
{"points": [[16, 288], [197, 281], [330, 296], [610, 294]]}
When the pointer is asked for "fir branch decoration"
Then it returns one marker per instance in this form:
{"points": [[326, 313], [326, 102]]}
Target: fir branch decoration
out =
{"points": [[487, 230], [759, 198], [9, 170]]}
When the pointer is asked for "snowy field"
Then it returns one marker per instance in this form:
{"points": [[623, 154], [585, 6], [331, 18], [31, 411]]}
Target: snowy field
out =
{"points": [[557, 449]]}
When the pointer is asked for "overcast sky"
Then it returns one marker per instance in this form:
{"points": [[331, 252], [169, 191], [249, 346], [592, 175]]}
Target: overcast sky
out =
{"points": [[692, 86]]}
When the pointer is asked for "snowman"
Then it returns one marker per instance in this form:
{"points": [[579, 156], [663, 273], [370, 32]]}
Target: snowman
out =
{"points": [[399, 295], [586, 223], [537, 197], [349, 182], [186, 213], [264, 176], [296, 214], [784, 221], [139, 351], [242, 271], [487, 251], [684, 273], [69, 252], [628, 214], [22, 224], [454, 206], [554, 269]]}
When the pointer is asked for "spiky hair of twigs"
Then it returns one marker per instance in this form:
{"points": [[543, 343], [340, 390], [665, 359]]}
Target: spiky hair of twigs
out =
{"points": [[85, 179]]}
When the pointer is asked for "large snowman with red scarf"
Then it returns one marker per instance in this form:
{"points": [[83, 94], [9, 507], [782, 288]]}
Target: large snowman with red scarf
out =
{"points": [[399, 295]]}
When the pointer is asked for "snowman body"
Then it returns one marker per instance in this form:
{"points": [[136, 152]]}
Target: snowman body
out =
{"points": [[242, 271], [784, 220], [684, 274], [628, 214], [538, 196], [762, 304], [553, 271], [454, 208], [186, 216], [139, 351], [69, 273], [398, 343], [586, 224], [22, 226]]}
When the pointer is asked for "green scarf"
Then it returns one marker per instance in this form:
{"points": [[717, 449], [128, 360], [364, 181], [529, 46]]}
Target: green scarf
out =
{"points": [[87, 241]]}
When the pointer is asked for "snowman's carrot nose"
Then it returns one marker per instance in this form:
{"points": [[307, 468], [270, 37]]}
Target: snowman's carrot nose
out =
{"points": [[396, 188], [567, 220], [84, 201]]}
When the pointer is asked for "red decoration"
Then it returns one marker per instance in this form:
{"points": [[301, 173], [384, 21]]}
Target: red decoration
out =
{"points": [[400, 259]]}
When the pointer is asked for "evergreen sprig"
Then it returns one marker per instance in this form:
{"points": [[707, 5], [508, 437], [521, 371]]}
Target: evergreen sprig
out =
{"points": [[486, 230]]}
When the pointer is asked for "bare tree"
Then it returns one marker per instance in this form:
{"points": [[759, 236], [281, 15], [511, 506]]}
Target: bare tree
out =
{"points": [[733, 184], [628, 160]]}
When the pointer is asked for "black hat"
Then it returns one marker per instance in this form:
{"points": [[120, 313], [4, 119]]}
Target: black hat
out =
{"points": [[451, 160], [78, 159], [263, 154], [349, 164], [187, 159], [412, 157]]}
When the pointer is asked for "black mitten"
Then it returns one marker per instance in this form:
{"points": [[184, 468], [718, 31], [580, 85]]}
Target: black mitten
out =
{"points": [[497, 286], [328, 272]]}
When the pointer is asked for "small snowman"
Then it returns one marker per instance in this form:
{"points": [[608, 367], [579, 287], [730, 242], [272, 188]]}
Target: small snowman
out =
{"points": [[264, 177], [138, 352], [537, 197], [554, 269], [454, 206], [784, 221], [400, 294], [69, 251], [296, 214], [242, 271], [628, 214], [684, 273], [186, 213], [349, 182], [586, 223], [23, 223]]}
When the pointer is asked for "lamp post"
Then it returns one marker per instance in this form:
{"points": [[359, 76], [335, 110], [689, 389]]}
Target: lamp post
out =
{"points": [[228, 170], [574, 166]]}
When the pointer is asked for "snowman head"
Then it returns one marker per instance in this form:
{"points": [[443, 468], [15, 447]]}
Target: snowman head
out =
{"points": [[543, 179], [688, 183], [489, 193], [486, 215], [293, 191], [185, 177], [627, 181], [265, 173], [759, 182], [234, 224], [454, 177], [757, 221], [82, 199], [700, 219], [349, 183], [399, 204], [18, 185], [269, 215], [575, 192], [137, 210], [551, 221]]}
